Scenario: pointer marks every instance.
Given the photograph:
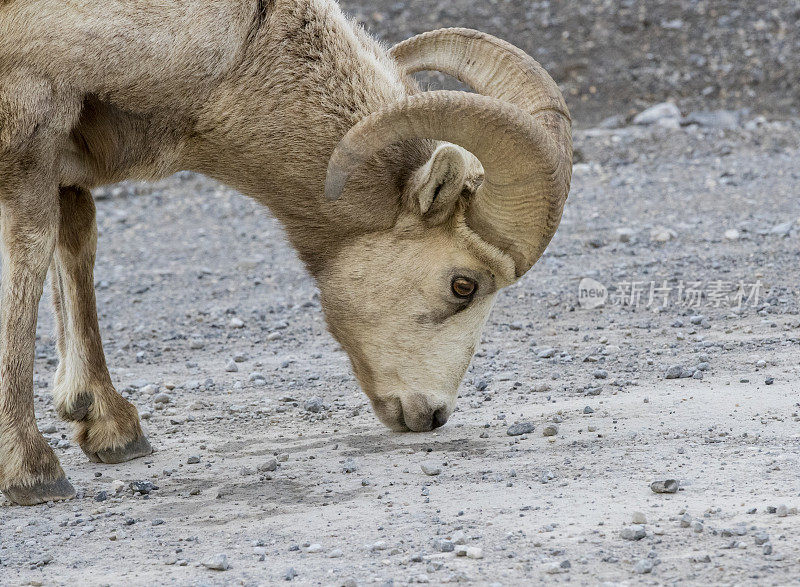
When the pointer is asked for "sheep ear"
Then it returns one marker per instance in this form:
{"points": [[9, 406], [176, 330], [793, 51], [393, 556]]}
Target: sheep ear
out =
{"points": [[435, 187]]}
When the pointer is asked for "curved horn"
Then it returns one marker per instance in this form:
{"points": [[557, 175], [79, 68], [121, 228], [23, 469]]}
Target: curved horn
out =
{"points": [[489, 65], [520, 131]]}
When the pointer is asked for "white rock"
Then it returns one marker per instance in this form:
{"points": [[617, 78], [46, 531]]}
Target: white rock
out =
{"points": [[237, 323], [662, 235], [782, 229], [732, 234], [639, 518], [659, 114], [430, 469], [474, 552]]}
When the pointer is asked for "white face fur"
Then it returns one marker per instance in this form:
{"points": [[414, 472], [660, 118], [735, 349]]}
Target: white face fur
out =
{"points": [[408, 304], [390, 301]]}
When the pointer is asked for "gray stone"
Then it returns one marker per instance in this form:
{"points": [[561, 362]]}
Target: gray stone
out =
{"points": [[269, 465], [143, 487], [761, 538], [520, 428], [673, 372], [665, 486], [643, 566], [314, 405], [550, 430], [218, 562], [444, 545], [633, 532]]}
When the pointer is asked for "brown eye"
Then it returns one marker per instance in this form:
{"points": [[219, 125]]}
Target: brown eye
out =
{"points": [[463, 287]]}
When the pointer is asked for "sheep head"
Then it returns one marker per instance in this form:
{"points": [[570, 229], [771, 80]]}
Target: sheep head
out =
{"points": [[408, 302]]}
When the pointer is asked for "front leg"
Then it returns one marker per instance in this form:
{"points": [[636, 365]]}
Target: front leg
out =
{"points": [[29, 470], [107, 425]]}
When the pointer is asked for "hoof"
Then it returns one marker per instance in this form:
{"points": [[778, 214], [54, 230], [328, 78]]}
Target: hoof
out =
{"points": [[42, 492], [138, 447]]}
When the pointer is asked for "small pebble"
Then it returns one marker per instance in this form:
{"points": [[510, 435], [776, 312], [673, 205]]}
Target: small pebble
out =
{"points": [[666, 486], [430, 469], [474, 552], [269, 465], [218, 562], [556, 568], [550, 430], [520, 428], [634, 532], [643, 567]]}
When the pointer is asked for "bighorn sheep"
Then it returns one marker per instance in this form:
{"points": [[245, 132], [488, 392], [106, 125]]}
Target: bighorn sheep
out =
{"points": [[411, 209]]}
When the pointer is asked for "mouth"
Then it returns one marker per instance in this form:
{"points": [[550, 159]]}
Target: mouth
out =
{"points": [[417, 416]]}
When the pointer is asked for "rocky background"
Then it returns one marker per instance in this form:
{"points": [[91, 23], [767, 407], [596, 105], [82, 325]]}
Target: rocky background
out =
{"points": [[574, 418], [613, 58]]}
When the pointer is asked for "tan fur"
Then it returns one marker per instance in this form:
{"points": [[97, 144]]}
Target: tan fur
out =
{"points": [[255, 93], [83, 391]]}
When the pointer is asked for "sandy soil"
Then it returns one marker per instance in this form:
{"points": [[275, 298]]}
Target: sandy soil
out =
{"points": [[348, 501]]}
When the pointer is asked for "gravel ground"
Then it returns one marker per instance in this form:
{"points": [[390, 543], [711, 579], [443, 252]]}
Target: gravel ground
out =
{"points": [[617, 57], [289, 472], [269, 463]]}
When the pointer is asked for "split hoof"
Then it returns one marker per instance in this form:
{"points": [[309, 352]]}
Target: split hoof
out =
{"points": [[138, 447], [42, 492]]}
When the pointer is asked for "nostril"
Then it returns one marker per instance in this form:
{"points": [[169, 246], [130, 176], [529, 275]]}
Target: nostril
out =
{"points": [[439, 418]]}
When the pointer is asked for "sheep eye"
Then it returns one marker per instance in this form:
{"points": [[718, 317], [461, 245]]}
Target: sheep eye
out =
{"points": [[463, 287]]}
